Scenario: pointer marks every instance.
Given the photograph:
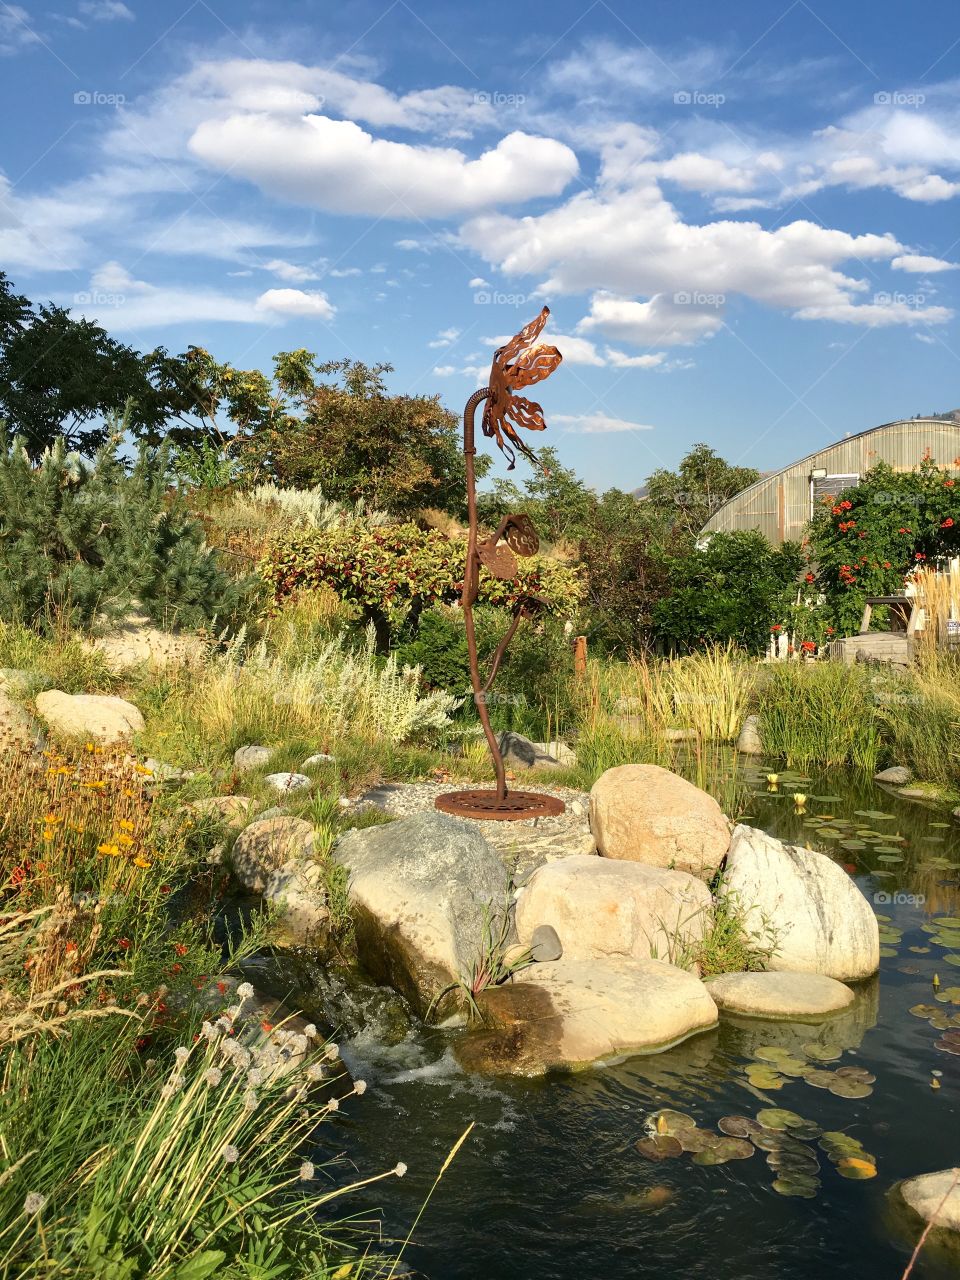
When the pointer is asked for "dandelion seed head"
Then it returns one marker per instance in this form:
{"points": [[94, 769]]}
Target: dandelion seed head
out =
{"points": [[316, 1071], [306, 1171], [254, 1077], [401, 1169], [245, 991], [210, 1030], [310, 1031], [249, 1100], [333, 1104], [333, 1051], [360, 1087], [230, 1153], [181, 1055], [213, 1077], [34, 1202]]}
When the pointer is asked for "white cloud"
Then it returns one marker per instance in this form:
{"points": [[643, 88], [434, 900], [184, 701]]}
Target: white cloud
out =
{"points": [[105, 11], [337, 166], [918, 262], [596, 423], [478, 282], [291, 271], [16, 32], [121, 303], [656, 322], [341, 273], [444, 338], [620, 360], [444, 370], [926, 338], [296, 302]]}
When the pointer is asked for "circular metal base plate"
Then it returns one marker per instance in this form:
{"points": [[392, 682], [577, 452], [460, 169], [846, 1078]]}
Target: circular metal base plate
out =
{"points": [[517, 806]]}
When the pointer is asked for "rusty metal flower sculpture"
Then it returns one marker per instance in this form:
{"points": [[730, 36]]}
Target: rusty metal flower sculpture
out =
{"points": [[521, 362]]}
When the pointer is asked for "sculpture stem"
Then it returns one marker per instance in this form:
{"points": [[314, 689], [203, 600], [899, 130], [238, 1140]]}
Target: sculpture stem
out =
{"points": [[471, 577]]}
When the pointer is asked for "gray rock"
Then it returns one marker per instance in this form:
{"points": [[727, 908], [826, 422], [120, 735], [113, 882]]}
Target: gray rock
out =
{"points": [[749, 744], [252, 757], [275, 811], [284, 782], [419, 889], [680, 735], [520, 753], [804, 902], [268, 845], [298, 891], [545, 945], [320, 757], [898, 775], [558, 750], [162, 772]]}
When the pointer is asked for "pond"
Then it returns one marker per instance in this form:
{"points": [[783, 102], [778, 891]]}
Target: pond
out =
{"points": [[550, 1184]]}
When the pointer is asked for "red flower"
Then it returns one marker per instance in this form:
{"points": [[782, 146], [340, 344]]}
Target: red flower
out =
{"points": [[948, 484], [776, 627], [180, 949], [809, 577], [837, 511], [948, 523], [886, 564], [124, 944], [919, 556], [904, 531], [846, 506], [829, 631], [808, 646]]}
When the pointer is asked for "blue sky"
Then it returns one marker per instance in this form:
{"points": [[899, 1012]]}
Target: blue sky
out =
{"points": [[744, 217]]}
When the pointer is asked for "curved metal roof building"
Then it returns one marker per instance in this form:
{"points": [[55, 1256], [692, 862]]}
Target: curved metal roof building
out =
{"points": [[780, 504]]}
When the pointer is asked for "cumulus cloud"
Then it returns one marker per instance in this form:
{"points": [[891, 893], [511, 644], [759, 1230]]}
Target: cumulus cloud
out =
{"points": [[16, 31], [919, 262], [106, 11], [444, 338], [337, 166], [296, 302], [596, 423], [291, 271]]}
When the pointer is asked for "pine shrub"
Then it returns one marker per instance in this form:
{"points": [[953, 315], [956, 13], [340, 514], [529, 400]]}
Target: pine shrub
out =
{"points": [[83, 541]]}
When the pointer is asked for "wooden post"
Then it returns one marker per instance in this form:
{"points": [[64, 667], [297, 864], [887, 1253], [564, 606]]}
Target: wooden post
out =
{"points": [[580, 657]]}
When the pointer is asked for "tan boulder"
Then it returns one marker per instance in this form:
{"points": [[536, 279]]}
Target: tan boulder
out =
{"points": [[17, 730], [642, 813], [935, 1197], [232, 811], [137, 643], [807, 996], [573, 1013], [267, 847], [601, 909], [94, 717]]}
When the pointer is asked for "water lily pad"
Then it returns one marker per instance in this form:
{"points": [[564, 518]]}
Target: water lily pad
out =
{"points": [[823, 1052], [888, 953], [738, 1126], [771, 1053], [856, 1073], [735, 1148], [850, 1088], [948, 1046], [947, 922], [661, 1146], [889, 857], [819, 1078], [803, 1188], [955, 959], [667, 1121], [856, 1168], [920, 951], [778, 1118], [697, 1140]]}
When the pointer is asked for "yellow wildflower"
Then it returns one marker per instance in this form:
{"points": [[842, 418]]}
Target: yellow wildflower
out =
{"points": [[110, 850], [126, 825], [124, 839], [141, 861]]}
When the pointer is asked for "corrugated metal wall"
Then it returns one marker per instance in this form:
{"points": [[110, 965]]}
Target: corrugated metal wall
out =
{"points": [[779, 505]]}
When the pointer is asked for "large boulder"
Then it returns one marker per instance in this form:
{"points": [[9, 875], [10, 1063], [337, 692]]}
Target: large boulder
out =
{"points": [[803, 904], [573, 1013], [298, 891], [420, 890], [95, 717], [935, 1197], [898, 775], [17, 729], [136, 642], [268, 846], [642, 813], [806, 996], [601, 909]]}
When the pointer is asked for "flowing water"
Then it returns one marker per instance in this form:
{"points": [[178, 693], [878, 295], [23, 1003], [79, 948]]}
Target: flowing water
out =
{"points": [[550, 1185]]}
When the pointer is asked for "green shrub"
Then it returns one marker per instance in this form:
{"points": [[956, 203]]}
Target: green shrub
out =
{"points": [[819, 714], [395, 572], [81, 541], [532, 690]]}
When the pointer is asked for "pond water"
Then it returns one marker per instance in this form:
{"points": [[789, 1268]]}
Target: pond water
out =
{"points": [[550, 1185]]}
